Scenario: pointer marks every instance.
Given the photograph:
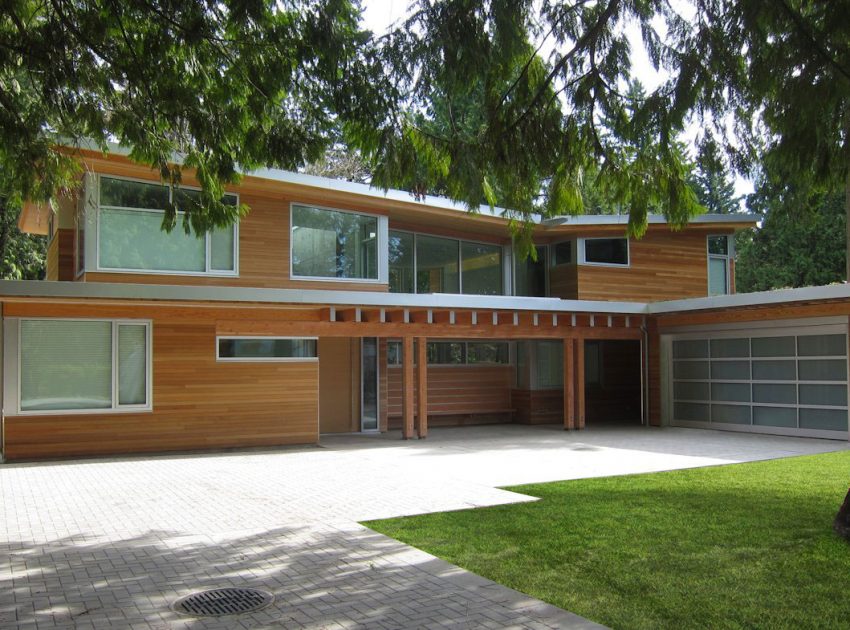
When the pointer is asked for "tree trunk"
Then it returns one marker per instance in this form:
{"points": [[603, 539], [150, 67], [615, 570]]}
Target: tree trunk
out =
{"points": [[847, 216], [841, 524]]}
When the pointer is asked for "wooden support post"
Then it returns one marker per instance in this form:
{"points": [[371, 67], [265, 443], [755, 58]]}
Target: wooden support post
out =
{"points": [[569, 385], [579, 392], [407, 388], [422, 387]]}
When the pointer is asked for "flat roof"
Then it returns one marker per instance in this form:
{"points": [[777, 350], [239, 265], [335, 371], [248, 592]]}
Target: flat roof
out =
{"points": [[44, 289], [433, 201]]}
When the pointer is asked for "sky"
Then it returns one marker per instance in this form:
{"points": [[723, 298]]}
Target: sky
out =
{"points": [[380, 15]]}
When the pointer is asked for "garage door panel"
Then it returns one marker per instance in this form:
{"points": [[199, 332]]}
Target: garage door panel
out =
{"points": [[775, 417], [795, 383]]}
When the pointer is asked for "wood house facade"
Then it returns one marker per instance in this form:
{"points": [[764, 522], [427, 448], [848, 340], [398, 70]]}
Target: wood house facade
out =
{"points": [[335, 308]]}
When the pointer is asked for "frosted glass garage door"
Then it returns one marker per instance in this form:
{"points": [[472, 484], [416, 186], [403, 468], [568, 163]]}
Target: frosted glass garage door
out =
{"points": [[788, 383]]}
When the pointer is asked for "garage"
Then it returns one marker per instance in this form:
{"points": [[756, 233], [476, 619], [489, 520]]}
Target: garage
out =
{"points": [[781, 378]]}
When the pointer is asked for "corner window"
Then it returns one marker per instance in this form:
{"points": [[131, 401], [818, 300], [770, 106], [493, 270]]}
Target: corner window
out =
{"points": [[265, 349], [333, 244], [719, 255], [83, 365], [530, 275], [605, 251], [562, 253], [130, 235]]}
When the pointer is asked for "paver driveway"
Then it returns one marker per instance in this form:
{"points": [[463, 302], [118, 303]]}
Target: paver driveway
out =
{"points": [[111, 543]]}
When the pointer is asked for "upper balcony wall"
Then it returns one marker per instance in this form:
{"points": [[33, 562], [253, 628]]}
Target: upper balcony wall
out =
{"points": [[663, 265]]}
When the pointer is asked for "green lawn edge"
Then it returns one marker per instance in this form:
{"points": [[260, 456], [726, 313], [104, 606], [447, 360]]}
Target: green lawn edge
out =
{"points": [[734, 546]]}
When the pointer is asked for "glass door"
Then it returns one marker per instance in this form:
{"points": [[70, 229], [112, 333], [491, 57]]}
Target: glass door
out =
{"points": [[369, 384]]}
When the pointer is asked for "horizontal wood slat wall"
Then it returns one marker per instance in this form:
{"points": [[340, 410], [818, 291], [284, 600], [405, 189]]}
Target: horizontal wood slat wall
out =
{"points": [[60, 256], [198, 403], [563, 282], [458, 390], [52, 260], [663, 266], [543, 406]]}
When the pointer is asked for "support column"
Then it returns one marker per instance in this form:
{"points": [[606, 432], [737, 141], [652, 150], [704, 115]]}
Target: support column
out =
{"points": [[422, 387], [569, 386], [579, 391], [407, 388]]}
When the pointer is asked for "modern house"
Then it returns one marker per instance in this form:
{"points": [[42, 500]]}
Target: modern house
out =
{"points": [[335, 307]]}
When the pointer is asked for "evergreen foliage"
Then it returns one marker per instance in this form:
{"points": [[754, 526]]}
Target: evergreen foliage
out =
{"points": [[799, 244]]}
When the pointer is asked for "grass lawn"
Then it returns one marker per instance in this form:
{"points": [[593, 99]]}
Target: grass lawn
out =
{"points": [[740, 546]]}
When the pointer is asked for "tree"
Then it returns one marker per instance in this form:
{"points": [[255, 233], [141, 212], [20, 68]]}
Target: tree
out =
{"points": [[799, 244], [341, 162], [537, 125], [22, 256], [226, 85], [713, 186]]}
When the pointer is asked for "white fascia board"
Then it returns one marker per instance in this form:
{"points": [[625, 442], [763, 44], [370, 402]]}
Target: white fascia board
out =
{"points": [[761, 298], [313, 297], [590, 220]]}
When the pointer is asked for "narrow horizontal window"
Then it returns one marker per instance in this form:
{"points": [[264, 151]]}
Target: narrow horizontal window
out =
{"points": [[334, 244], [266, 349], [455, 352], [70, 365], [487, 352], [606, 251]]}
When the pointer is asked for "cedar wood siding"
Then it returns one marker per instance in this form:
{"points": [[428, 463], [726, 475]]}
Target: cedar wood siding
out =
{"points": [[663, 265], [198, 403], [60, 256], [481, 390]]}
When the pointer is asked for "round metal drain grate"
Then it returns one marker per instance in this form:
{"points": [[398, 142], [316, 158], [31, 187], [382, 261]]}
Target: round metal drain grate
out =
{"points": [[222, 601]]}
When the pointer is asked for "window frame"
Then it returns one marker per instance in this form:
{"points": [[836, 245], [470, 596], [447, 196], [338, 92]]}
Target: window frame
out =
{"points": [[547, 252], [116, 406], [459, 241], [727, 258], [465, 362], [582, 258], [381, 242], [221, 359], [208, 271]]}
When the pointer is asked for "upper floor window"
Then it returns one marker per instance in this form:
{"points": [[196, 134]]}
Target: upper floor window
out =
{"points": [[420, 263], [530, 275], [604, 251], [130, 235], [335, 244], [719, 255]]}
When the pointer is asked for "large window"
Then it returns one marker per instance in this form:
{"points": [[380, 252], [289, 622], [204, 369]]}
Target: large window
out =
{"points": [[333, 244], [437, 261], [265, 349], [420, 263], [719, 254], [605, 251], [74, 365], [130, 235]]}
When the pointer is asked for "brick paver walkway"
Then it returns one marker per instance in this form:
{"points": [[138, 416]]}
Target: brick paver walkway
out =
{"points": [[112, 543]]}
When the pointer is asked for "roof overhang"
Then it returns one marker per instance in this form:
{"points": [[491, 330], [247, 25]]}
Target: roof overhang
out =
{"points": [[34, 217]]}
